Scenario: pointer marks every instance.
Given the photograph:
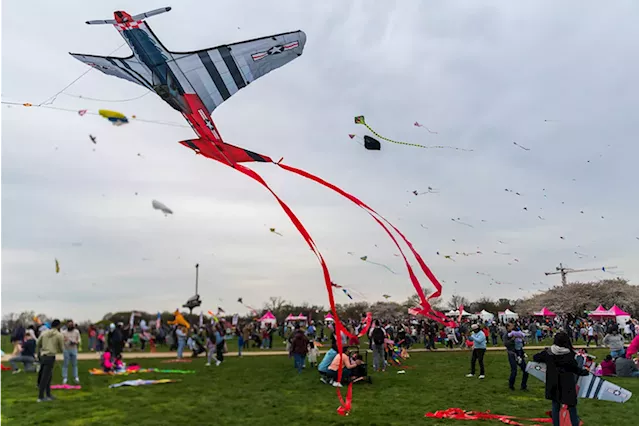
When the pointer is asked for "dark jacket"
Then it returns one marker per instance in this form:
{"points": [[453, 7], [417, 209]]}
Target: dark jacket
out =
{"points": [[560, 383], [299, 343], [29, 348]]}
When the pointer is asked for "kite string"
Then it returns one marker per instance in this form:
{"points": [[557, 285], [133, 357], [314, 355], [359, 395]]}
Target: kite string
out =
{"points": [[107, 100], [52, 99], [164, 123]]}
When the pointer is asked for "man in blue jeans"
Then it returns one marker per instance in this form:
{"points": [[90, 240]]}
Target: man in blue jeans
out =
{"points": [[299, 349], [72, 342], [516, 359]]}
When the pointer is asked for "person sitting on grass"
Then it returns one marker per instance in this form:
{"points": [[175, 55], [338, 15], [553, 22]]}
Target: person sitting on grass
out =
{"points": [[560, 385], [347, 366], [608, 366], [323, 367], [626, 367], [27, 355]]}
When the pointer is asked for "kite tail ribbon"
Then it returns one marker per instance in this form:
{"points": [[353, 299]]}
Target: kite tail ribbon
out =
{"points": [[345, 405], [426, 307], [460, 414]]}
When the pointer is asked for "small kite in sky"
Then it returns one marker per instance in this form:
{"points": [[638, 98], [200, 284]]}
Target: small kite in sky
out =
{"points": [[273, 230], [82, 112], [425, 127], [386, 296], [368, 142], [366, 259], [116, 118], [344, 290], [461, 223], [57, 267], [360, 120], [540, 217], [93, 139], [522, 147], [160, 206], [502, 254], [424, 226], [429, 190]]}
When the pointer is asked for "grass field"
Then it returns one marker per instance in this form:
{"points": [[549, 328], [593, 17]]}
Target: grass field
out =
{"points": [[267, 390]]}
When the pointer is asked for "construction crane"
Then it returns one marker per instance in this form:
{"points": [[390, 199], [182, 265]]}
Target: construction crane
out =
{"points": [[563, 271]]}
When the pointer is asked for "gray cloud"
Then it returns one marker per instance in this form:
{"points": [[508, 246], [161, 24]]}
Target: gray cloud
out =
{"points": [[483, 76]]}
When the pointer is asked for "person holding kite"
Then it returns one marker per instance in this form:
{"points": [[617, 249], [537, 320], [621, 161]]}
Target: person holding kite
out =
{"points": [[560, 385]]}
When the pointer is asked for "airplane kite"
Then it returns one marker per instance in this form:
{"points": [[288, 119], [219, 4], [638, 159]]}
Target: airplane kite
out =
{"points": [[195, 83]]}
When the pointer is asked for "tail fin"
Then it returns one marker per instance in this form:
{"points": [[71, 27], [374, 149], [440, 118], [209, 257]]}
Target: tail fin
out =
{"points": [[225, 153]]}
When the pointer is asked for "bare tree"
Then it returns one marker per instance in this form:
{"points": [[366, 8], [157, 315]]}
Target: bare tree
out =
{"points": [[456, 300]]}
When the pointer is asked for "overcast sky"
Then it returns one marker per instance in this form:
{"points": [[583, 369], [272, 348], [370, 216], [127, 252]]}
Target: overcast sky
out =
{"points": [[481, 74]]}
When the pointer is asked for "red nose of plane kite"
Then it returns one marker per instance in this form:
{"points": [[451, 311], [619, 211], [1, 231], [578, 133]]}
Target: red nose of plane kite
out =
{"points": [[122, 17]]}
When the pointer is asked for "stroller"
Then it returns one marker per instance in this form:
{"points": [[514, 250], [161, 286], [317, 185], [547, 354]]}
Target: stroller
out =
{"points": [[361, 372]]}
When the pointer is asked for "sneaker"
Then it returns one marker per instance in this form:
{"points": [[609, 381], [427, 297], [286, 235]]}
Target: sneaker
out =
{"points": [[470, 375], [218, 363], [41, 400], [208, 364], [337, 384], [323, 380], [49, 398], [16, 371], [481, 376], [64, 381], [511, 388], [77, 380]]}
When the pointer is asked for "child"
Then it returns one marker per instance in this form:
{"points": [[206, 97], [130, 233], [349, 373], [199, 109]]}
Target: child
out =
{"points": [[105, 362], [560, 385], [312, 355], [608, 366]]}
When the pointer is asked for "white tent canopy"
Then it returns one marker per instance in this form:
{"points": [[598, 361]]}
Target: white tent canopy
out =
{"points": [[456, 313], [486, 316], [507, 315]]}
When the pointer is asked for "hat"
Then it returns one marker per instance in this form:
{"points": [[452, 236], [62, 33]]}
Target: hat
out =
{"points": [[112, 326], [474, 326]]}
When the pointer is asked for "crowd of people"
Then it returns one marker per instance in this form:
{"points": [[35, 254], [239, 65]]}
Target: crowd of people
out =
{"points": [[35, 347]]}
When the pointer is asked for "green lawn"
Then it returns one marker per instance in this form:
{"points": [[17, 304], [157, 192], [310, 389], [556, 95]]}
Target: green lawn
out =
{"points": [[267, 390]]}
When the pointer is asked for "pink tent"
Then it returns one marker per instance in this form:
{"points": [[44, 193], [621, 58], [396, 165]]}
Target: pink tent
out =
{"points": [[615, 310], [600, 312], [289, 318], [268, 316], [544, 312], [328, 317]]}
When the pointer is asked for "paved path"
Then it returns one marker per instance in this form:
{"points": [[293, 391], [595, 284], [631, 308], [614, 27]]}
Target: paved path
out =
{"points": [[133, 355]]}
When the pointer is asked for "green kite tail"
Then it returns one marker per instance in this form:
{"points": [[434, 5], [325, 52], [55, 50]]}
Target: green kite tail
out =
{"points": [[360, 120]]}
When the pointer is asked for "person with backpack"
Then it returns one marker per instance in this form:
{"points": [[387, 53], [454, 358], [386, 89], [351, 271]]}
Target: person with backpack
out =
{"points": [[560, 384], [377, 340]]}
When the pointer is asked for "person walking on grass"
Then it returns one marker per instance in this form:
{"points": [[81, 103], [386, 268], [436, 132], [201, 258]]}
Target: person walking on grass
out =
{"points": [[377, 340], [615, 342], [479, 348], [48, 345], [516, 359], [560, 384], [299, 348], [72, 342]]}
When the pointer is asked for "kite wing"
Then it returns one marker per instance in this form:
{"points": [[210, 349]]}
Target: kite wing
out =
{"points": [[128, 68], [217, 73]]}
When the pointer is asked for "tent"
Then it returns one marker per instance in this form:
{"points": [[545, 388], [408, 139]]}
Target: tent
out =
{"points": [[507, 315], [456, 313], [296, 318], [600, 312], [485, 316], [544, 312], [621, 316], [329, 317], [268, 318]]}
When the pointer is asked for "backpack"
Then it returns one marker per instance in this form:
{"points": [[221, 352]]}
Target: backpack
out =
{"points": [[377, 336]]}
